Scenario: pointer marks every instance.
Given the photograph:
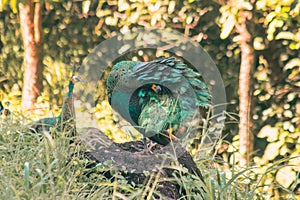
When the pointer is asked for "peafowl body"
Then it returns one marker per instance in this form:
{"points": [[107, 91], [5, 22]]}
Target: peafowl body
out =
{"points": [[153, 108], [4, 111], [65, 121]]}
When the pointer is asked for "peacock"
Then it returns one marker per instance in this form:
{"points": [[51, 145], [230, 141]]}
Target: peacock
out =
{"points": [[161, 94], [65, 121], [4, 111]]}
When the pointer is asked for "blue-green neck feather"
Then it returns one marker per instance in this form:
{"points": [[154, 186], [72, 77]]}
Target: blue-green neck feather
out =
{"points": [[71, 88]]}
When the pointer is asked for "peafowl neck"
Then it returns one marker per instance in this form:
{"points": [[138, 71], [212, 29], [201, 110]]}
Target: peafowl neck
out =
{"points": [[67, 114], [71, 88], [68, 104]]}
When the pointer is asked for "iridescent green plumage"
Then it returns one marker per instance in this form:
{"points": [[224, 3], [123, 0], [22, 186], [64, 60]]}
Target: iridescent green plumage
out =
{"points": [[65, 121], [161, 95]]}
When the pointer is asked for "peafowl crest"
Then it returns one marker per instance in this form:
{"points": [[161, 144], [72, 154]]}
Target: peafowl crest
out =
{"points": [[65, 121], [153, 108]]}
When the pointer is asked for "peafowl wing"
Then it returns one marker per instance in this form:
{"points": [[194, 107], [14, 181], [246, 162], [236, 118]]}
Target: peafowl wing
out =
{"points": [[166, 95]]}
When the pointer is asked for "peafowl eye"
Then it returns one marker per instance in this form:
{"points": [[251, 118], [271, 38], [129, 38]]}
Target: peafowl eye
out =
{"points": [[143, 94]]}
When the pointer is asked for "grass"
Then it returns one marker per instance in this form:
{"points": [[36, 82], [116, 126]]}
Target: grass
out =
{"points": [[40, 167]]}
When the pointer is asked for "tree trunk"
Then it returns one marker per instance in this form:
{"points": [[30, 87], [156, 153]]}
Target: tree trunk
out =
{"points": [[30, 20], [245, 89]]}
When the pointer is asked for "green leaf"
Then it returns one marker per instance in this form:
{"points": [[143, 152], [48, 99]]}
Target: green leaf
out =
{"points": [[285, 35], [286, 176], [276, 23], [269, 132], [13, 5], [247, 6], [228, 26], [294, 45], [272, 150], [26, 174], [2, 4], [86, 6], [295, 62], [270, 17]]}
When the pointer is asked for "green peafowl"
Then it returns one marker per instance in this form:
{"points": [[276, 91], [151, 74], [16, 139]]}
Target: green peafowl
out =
{"points": [[65, 121], [4, 111], [154, 108]]}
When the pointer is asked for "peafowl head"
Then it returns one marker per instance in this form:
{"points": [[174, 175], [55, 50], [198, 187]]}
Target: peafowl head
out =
{"points": [[76, 79], [119, 72], [4, 111], [73, 80]]}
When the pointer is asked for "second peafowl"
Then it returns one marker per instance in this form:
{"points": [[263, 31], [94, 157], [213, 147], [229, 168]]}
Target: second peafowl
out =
{"points": [[65, 121]]}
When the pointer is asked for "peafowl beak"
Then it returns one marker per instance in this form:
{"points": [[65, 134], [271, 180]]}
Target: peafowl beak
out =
{"points": [[76, 79]]}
